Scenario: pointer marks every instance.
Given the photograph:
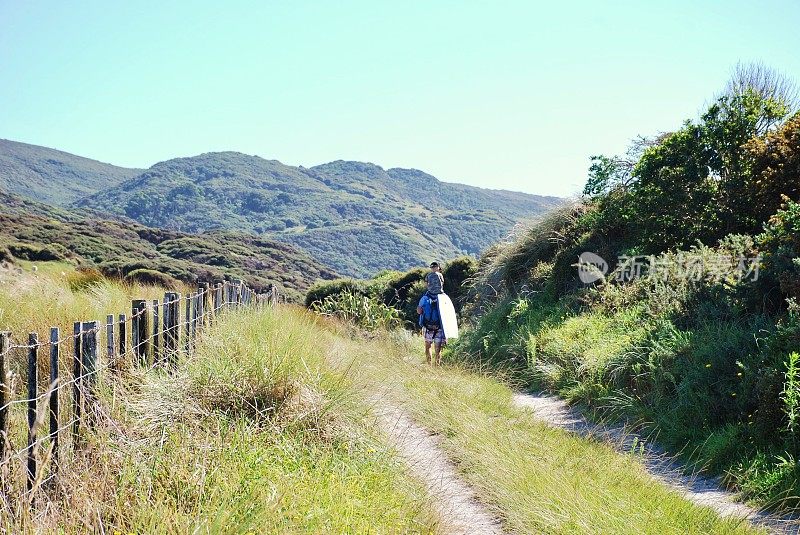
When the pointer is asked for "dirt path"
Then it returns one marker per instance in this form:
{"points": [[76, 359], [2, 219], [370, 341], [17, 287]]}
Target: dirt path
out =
{"points": [[456, 504], [699, 489]]}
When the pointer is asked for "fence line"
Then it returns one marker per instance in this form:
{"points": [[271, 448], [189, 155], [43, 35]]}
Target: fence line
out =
{"points": [[155, 331]]}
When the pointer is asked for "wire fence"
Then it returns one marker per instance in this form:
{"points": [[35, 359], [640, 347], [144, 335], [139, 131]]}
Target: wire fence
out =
{"points": [[154, 336]]}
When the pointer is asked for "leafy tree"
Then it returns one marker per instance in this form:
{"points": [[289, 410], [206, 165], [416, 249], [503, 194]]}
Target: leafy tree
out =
{"points": [[697, 183], [672, 194], [615, 173], [775, 169], [728, 125]]}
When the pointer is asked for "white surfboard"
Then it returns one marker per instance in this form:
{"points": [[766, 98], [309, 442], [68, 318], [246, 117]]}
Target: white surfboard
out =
{"points": [[448, 314]]}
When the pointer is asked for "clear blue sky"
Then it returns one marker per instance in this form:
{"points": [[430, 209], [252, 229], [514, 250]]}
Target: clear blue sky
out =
{"points": [[506, 94]]}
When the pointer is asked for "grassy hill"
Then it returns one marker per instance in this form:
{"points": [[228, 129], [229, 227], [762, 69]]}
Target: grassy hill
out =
{"points": [[33, 231], [53, 176], [357, 218], [699, 346]]}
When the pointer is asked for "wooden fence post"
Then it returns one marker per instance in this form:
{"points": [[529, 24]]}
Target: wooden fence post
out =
{"points": [[123, 340], [139, 330], [188, 323], [237, 292], [212, 303], [193, 319], [77, 377], [156, 334], [5, 348], [33, 389], [204, 300], [172, 302], [89, 358], [111, 346], [54, 349]]}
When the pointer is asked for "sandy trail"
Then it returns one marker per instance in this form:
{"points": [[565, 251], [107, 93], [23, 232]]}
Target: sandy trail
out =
{"points": [[456, 504], [702, 490]]}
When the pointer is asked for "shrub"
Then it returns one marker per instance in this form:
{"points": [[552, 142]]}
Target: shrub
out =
{"points": [[153, 278], [365, 312], [35, 253], [5, 255], [83, 278], [457, 273], [321, 290], [780, 246], [398, 285], [791, 391]]}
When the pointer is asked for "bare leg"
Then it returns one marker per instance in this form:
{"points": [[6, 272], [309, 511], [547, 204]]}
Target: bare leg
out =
{"points": [[428, 352], [438, 354]]}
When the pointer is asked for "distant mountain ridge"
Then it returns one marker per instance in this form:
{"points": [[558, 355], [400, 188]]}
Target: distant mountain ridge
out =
{"points": [[53, 176], [357, 218]]}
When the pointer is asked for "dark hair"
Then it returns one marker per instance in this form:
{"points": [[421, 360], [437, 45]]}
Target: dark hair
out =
{"points": [[434, 264]]}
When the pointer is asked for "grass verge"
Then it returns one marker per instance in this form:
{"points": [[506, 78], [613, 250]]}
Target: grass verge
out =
{"points": [[253, 433], [537, 479]]}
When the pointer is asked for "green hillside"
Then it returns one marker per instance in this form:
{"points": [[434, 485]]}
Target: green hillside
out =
{"points": [[38, 232], [693, 334], [53, 176], [357, 218]]}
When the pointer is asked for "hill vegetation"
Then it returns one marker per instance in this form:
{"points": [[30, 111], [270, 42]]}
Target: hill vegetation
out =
{"points": [[52, 176], [694, 332], [356, 218], [127, 250]]}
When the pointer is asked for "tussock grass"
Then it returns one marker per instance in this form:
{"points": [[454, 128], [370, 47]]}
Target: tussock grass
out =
{"points": [[263, 437], [253, 433], [536, 478]]}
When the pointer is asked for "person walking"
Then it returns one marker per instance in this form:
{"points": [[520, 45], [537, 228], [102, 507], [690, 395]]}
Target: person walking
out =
{"points": [[429, 316]]}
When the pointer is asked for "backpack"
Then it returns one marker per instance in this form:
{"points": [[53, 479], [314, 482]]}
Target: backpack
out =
{"points": [[430, 318]]}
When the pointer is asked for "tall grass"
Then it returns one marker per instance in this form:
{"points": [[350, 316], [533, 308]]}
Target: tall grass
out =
{"points": [[535, 478], [698, 362], [256, 433], [252, 433]]}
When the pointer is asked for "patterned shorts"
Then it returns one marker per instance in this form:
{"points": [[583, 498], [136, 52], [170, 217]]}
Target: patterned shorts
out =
{"points": [[436, 336]]}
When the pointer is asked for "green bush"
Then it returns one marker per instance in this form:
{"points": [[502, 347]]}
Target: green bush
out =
{"points": [[153, 278], [780, 246], [5, 255], [458, 274], [319, 291], [365, 312], [397, 289], [35, 253]]}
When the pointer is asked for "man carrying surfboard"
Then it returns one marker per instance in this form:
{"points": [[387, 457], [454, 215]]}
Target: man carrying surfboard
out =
{"points": [[432, 330], [437, 316]]}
